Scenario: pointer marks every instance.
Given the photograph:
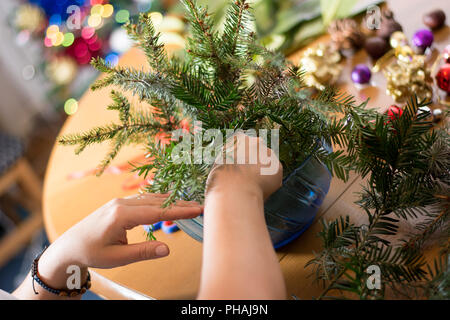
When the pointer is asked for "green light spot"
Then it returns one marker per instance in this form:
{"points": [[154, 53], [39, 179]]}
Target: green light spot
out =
{"points": [[71, 106], [68, 39], [122, 16]]}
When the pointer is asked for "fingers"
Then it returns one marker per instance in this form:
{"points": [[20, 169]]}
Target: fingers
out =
{"points": [[152, 199], [126, 254], [139, 215], [144, 199]]}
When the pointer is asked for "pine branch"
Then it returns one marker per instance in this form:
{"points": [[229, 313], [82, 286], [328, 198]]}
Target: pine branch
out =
{"points": [[148, 39]]}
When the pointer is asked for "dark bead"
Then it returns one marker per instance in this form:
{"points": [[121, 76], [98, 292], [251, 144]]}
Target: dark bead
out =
{"points": [[376, 47], [434, 19]]}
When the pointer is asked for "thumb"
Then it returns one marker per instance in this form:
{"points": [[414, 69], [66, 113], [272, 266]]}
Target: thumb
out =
{"points": [[141, 251]]}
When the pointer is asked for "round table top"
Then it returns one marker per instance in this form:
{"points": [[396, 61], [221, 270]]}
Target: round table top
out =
{"points": [[68, 200]]}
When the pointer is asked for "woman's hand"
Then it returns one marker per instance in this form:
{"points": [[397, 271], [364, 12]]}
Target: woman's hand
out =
{"points": [[100, 240], [251, 164]]}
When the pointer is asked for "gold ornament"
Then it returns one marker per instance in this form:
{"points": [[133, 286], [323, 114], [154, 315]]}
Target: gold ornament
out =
{"points": [[407, 76], [62, 70], [321, 66], [29, 17], [398, 39]]}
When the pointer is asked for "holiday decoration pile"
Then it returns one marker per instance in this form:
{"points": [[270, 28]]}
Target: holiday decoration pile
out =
{"points": [[406, 75]]}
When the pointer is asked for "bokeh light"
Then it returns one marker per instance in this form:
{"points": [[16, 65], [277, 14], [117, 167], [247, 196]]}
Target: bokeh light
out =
{"points": [[97, 10], [28, 72], [48, 42], [23, 37], [156, 18], [68, 39], [94, 20], [108, 10], [55, 19], [144, 5], [71, 106], [112, 59], [87, 32], [122, 16], [52, 29], [58, 39]]}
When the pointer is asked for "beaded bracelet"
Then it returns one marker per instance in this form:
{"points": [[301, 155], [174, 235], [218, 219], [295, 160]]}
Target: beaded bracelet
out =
{"points": [[58, 292]]}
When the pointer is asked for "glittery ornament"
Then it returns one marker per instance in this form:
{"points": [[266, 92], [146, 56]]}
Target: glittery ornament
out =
{"points": [[29, 17], [345, 35], [407, 76], [321, 66], [394, 112], [443, 78], [398, 39], [361, 74], [423, 38]]}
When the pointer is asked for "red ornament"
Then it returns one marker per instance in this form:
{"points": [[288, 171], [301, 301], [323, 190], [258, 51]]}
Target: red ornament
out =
{"points": [[443, 78], [394, 112]]}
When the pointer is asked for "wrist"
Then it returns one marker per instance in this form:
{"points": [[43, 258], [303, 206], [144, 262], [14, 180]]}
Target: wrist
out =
{"points": [[231, 181], [55, 267]]}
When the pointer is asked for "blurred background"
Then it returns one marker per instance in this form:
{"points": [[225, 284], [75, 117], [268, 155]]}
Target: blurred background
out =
{"points": [[45, 50]]}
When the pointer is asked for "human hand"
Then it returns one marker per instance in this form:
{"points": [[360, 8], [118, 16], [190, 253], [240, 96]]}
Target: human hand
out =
{"points": [[252, 164], [100, 240]]}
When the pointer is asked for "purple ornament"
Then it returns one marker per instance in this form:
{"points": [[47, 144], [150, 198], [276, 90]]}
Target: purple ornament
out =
{"points": [[361, 74], [423, 38]]}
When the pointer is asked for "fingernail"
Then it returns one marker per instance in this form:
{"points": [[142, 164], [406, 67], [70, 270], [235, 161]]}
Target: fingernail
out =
{"points": [[161, 251]]}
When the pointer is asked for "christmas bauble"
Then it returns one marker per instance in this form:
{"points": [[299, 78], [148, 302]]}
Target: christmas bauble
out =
{"points": [[443, 78], [361, 74], [394, 112], [423, 38]]}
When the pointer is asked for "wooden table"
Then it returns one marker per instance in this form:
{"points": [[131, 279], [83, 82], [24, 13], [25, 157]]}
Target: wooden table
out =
{"points": [[66, 201]]}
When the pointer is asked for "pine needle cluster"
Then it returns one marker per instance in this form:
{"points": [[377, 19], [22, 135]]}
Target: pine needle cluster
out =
{"points": [[406, 166]]}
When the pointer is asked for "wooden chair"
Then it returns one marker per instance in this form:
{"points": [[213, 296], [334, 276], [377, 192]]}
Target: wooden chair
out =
{"points": [[14, 169]]}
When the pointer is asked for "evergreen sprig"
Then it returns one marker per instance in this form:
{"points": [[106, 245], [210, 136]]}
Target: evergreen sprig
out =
{"points": [[406, 165]]}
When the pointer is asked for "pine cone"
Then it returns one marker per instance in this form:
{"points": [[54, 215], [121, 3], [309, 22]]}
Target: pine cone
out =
{"points": [[345, 35]]}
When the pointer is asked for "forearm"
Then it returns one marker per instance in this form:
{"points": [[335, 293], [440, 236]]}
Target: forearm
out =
{"points": [[239, 261]]}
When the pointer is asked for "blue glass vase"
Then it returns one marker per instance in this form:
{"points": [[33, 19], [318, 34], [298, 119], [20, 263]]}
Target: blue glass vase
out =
{"points": [[291, 209]]}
